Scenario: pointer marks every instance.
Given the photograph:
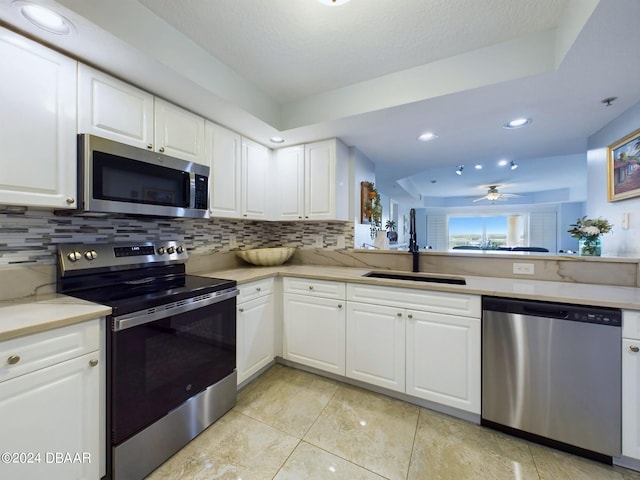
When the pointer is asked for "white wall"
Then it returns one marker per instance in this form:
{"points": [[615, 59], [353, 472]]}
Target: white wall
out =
{"points": [[364, 170], [619, 242]]}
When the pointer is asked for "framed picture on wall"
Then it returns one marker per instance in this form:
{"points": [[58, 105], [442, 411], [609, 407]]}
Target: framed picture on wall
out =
{"points": [[623, 168]]}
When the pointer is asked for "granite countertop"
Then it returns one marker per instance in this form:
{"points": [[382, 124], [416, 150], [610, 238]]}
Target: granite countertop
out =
{"points": [[30, 315], [578, 293], [26, 316]]}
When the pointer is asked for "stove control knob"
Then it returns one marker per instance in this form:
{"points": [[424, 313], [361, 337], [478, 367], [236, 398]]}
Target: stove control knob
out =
{"points": [[161, 251], [180, 249], [74, 256], [90, 254], [171, 250]]}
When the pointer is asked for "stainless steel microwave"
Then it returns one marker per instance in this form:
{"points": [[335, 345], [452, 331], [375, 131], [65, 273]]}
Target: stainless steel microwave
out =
{"points": [[118, 178]]}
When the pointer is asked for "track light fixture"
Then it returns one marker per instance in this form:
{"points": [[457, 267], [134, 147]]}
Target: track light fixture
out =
{"points": [[514, 165], [459, 170]]}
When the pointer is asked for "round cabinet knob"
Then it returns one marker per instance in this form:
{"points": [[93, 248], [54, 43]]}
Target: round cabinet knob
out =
{"points": [[150, 146], [171, 250], [93, 362], [310, 287], [71, 200], [13, 359], [160, 250], [161, 149], [410, 316], [180, 249], [258, 289], [90, 255], [339, 305], [634, 348], [399, 314], [241, 309], [74, 256]]}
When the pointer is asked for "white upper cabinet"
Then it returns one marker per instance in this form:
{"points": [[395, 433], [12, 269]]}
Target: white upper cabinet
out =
{"points": [[38, 118], [224, 150], [178, 132], [111, 108], [255, 174], [313, 181], [239, 174]]}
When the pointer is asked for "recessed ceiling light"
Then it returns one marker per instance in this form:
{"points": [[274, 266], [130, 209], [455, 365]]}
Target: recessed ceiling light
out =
{"points": [[517, 123], [44, 18], [478, 166], [425, 137], [502, 163], [276, 140], [333, 3]]}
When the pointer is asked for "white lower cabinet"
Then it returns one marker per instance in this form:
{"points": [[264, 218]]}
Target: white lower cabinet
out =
{"points": [[631, 384], [50, 411], [443, 359], [376, 345], [314, 325], [254, 328]]}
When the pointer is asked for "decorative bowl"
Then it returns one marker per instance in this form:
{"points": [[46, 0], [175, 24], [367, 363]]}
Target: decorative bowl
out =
{"points": [[266, 257]]}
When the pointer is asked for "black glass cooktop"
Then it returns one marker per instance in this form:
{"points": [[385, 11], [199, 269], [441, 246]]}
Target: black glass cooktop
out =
{"points": [[133, 294]]}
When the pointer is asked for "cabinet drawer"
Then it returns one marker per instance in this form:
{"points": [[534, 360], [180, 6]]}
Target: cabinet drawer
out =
{"points": [[431, 301], [33, 352], [315, 288], [253, 290], [631, 324]]}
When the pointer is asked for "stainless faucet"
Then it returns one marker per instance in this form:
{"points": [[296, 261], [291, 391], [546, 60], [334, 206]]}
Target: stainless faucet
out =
{"points": [[413, 243]]}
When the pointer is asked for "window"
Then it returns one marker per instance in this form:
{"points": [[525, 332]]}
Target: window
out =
{"points": [[490, 232]]}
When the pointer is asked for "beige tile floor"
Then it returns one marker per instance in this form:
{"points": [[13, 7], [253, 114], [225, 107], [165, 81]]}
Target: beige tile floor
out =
{"points": [[293, 425]]}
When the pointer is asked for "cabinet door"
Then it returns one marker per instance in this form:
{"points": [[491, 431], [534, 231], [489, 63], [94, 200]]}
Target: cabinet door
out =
{"points": [[320, 180], [55, 409], [314, 332], [38, 118], [110, 108], [443, 359], [254, 336], [376, 345], [630, 398], [178, 132], [289, 170], [255, 170], [225, 186]]}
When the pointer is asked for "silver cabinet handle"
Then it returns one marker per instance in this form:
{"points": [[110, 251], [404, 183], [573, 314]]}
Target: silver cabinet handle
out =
{"points": [[241, 309], [150, 146], [634, 348], [13, 359], [161, 149], [71, 200], [93, 362]]}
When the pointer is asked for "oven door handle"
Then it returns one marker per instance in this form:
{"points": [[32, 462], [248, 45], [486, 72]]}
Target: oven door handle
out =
{"points": [[152, 314]]}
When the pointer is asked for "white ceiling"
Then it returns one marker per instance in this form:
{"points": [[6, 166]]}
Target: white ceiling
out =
{"points": [[378, 73]]}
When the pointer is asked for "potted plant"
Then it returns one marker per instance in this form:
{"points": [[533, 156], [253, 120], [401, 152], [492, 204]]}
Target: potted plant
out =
{"points": [[392, 235], [588, 231]]}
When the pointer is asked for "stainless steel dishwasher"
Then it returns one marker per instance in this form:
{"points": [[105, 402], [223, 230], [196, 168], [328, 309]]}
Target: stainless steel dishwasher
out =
{"points": [[552, 373]]}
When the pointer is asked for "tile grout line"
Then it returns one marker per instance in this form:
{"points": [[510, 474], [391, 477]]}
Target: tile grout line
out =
{"points": [[413, 444]]}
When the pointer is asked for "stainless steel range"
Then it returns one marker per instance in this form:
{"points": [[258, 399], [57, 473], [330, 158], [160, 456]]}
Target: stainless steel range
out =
{"points": [[171, 347]]}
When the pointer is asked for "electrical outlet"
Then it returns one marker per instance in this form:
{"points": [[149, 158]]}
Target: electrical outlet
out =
{"points": [[233, 242], [523, 268]]}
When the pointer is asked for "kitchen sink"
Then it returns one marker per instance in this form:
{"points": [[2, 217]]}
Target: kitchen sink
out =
{"points": [[417, 277]]}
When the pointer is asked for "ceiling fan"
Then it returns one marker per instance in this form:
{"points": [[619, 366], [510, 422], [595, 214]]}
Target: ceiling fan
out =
{"points": [[493, 194]]}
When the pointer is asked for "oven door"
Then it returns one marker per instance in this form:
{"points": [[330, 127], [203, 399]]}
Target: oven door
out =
{"points": [[157, 365]]}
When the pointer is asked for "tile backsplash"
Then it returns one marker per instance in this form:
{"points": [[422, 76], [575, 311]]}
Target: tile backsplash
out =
{"points": [[32, 237]]}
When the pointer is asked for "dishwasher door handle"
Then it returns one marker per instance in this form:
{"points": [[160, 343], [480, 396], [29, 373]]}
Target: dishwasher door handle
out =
{"points": [[546, 312]]}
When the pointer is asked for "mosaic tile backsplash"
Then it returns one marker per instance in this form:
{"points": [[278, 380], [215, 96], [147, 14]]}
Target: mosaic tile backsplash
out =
{"points": [[32, 237]]}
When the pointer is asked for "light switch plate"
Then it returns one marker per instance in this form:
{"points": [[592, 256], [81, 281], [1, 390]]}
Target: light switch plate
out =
{"points": [[523, 268]]}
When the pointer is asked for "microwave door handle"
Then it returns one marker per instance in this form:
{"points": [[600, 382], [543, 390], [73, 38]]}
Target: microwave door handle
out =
{"points": [[189, 190]]}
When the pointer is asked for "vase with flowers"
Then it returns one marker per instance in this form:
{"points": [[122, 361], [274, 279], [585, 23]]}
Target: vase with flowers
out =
{"points": [[588, 232]]}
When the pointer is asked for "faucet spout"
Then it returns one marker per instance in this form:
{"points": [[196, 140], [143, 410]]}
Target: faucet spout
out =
{"points": [[413, 242]]}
